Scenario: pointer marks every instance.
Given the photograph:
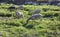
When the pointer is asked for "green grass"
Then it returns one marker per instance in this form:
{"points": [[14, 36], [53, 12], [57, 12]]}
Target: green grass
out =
{"points": [[47, 27]]}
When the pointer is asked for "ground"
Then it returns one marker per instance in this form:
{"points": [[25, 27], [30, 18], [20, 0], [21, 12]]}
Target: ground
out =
{"points": [[49, 26]]}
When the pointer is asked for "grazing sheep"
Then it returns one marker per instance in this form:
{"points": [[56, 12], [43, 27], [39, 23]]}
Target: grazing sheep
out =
{"points": [[34, 17], [37, 11], [1, 34], [19, 14], [58, 4]]}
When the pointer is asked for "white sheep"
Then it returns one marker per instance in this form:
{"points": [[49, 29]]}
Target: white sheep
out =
{"points": [[19, 14], [34, 17], [58, 4], [1, 34]]}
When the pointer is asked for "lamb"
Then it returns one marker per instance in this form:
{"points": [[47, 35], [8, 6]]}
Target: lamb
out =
{"points": [[1, 34], [34, 17], [58, 4], [19, 15]]}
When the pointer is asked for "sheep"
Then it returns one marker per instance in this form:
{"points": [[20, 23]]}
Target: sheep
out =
{"points": [[37, 11], [1, 34], [58, 4], [34, 17], [19, 15]]}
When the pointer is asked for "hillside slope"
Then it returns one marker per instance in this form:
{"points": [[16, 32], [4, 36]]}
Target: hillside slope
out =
{"points": [[49, 26]]}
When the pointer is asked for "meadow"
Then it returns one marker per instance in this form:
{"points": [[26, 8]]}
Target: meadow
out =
{"points": [[49, 26]]}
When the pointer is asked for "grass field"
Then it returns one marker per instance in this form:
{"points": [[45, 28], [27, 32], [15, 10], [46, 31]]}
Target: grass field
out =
{"points": [[49, 26]]}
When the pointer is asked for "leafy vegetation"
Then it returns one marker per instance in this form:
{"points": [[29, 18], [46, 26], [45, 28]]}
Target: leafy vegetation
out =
{"points": [[49, 26]]}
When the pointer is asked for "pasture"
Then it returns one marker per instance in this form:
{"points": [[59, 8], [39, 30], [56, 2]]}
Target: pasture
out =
{"points": [[48, 26]]}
